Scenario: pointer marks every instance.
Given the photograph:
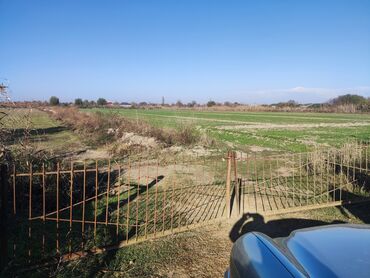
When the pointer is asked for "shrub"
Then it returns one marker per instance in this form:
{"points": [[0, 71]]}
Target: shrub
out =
{"points": [[78, 102], [211, 103], [101, 101], [95, 126], [54, 101], [290, 103], [186, 135], [349, 100]]}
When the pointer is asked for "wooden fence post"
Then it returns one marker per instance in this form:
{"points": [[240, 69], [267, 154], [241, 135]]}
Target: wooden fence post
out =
{"points": [[4, 186], [228, 182]]}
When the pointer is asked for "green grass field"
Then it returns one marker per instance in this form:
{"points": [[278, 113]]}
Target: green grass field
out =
{"points": [[247, 131], [271, 132], [274, 131], [45, 132]]}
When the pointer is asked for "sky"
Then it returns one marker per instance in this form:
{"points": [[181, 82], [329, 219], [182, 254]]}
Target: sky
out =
{"points": [[247, 51]]}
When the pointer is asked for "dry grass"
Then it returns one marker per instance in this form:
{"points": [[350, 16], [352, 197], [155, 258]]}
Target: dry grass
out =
{"points": [[103, 128], [322, 108]]}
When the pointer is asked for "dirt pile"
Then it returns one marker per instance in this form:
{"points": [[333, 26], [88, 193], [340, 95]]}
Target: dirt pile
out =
{"points": [[196, 151], [132, 139]]}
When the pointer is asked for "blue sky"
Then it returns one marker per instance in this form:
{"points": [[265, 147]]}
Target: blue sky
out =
{"points": [[247, 51]]}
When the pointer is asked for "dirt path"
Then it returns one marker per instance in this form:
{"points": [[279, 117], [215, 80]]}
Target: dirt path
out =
{"points": [[205, 254]]}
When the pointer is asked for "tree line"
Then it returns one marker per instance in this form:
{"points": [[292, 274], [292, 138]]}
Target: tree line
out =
{"points": [[79, 102], [343, 103]]}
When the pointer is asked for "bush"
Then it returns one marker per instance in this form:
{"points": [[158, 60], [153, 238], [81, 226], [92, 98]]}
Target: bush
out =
{"points": [[95, 126], [101, 101], [349, 100], [54, 101], [186, 135], [290, 103], [211, 103], [78, 102]]}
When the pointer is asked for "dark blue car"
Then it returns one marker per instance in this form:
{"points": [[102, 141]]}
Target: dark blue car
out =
{"points": [[326, 251]]}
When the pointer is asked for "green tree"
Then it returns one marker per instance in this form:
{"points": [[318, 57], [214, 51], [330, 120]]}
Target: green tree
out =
{"points": [[54, 100], [211, 103], [101, 101], [78, 102], [349, 99], [85, 103], [192, 104]]}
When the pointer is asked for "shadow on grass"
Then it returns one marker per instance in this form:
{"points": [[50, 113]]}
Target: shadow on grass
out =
{"points": [[273, 228], [142, 189], [250, 222], [20, 132]]}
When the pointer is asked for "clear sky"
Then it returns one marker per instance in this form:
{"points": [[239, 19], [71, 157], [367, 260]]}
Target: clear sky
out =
{"points": [[247, 51]]}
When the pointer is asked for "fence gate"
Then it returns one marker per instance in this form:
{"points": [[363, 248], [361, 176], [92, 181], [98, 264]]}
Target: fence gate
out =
{"points": [[63, 210], [293, 182]]}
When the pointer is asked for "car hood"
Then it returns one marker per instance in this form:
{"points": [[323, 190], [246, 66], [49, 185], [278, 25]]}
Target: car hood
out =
{"points": [[330, 251]]}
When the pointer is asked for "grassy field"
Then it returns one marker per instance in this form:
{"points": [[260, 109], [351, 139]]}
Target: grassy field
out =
{"points": [[268, 130], [246, 131], [192, 254], [45, 132]]}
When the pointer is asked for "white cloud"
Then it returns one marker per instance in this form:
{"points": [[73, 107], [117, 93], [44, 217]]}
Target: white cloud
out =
{"points": [[298, 89]]}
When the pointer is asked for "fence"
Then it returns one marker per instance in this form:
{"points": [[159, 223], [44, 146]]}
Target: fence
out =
{"points": [[293, 182], [64, 210]]}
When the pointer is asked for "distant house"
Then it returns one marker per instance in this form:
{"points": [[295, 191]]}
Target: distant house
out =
{"points": [[125, 105]]}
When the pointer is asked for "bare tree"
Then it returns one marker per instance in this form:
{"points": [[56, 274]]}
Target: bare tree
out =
{"points": [[4, 134], [15, 129]]}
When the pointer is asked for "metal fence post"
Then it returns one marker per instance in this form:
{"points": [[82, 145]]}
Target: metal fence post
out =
{"points": [[4, 185], [237, 182], [228, 182]]}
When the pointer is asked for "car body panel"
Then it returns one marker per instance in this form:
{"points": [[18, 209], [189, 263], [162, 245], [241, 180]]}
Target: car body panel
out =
{"points": [[325, 251], [332, 251]]}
